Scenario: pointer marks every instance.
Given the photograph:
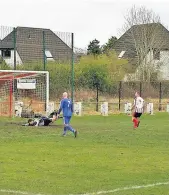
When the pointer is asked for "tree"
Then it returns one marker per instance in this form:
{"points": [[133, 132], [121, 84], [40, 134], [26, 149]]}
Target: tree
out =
{"points": [[109, 45], [145, 38], [96, 77], [94, 48], [100, 74], [116, 68]]}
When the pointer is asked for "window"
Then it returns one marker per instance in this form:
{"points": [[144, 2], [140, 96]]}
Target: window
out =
{"points": [[6, 53], [121, 54], [156, 54], [48, 55]]}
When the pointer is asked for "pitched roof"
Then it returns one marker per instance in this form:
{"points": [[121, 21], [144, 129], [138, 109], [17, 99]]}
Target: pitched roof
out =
{"points": [[29, 44], [144, 36]]}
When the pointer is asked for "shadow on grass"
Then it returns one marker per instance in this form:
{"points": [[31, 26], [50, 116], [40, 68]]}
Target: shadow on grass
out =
{"points": [[21, 123]]}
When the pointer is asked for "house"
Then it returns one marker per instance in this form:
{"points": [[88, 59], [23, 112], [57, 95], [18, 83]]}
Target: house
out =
{"points": [[30, 44], [145, 46]]}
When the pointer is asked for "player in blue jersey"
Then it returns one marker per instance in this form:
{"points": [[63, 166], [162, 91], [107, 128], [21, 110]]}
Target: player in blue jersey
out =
{"points": [[66, 107]]}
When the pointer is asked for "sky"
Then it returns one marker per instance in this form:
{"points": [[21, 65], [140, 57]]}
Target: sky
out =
{"points": [[87, 19]]}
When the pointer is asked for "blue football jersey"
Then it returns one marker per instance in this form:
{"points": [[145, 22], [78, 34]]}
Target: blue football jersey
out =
{"points": [[66, 107]]}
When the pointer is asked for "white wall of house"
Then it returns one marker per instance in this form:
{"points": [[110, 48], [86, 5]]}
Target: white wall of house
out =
{"points": [[164, 68], [162, 63], [10, 60]]}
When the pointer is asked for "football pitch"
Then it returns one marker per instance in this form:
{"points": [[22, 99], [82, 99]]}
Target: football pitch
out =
{"points": [[107, 157]]}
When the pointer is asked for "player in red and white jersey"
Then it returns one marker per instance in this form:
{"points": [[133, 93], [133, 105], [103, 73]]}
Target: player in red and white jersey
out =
{"points": [[138, 108]]}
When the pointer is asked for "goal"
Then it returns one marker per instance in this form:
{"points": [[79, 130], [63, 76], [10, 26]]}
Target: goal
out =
{"points": [[23, 91]]}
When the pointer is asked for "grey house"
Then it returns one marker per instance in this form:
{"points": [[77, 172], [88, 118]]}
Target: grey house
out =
{"points": [[30, 44], [145, 45], [145, 36]]}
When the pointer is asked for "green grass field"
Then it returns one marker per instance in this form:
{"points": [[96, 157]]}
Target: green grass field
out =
{"points": [[108, 155]]}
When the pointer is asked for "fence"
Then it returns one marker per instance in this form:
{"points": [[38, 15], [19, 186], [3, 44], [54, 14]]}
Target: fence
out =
{"points": [[123, 92]]}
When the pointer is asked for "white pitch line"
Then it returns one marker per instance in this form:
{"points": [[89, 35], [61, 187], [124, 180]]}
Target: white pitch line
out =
{"points": [[94, 193], [124, 189], [18, 192]]}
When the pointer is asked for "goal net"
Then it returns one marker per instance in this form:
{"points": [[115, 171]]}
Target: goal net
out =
{"points": [[23, 91]]}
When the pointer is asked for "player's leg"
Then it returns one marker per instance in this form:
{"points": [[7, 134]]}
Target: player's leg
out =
{"points": [[68, 124], [138, 119], [138, 122], [134, 120], [70, 128], [65, 126]]}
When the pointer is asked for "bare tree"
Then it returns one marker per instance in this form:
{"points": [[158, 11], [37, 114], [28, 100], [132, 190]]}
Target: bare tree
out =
{"points": [[144, 38]]}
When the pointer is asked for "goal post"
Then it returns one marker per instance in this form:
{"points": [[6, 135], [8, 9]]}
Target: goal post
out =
{"points": [[30, 89], [6, 96]]}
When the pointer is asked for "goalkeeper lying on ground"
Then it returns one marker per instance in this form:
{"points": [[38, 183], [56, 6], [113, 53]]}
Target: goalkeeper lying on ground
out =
{"points": [[43, 120]]}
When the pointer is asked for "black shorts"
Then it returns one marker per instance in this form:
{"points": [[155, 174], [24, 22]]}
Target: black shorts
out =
{"points": [[47, 121], [44, 121], [137, 115]]}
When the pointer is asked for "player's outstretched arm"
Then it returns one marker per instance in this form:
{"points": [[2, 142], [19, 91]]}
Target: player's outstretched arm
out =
{"points": [[60, 109], [27, 124]]}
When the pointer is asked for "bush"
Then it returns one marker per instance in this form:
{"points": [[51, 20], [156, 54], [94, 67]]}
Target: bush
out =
{"points": [[90, 72]]}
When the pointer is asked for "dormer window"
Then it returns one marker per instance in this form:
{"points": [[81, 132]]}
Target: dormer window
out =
{"points": [[48, 55], [121, 54]]}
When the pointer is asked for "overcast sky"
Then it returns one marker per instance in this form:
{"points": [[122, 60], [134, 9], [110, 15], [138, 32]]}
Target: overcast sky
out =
{"points": [[88, 19]]}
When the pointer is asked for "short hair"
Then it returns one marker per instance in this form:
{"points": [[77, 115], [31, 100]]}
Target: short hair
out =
{"points": [[65, 94], [30, 120]]}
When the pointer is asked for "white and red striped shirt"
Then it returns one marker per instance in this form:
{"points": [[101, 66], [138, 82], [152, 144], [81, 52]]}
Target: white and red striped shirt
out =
{"points": [[139, 104]]}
